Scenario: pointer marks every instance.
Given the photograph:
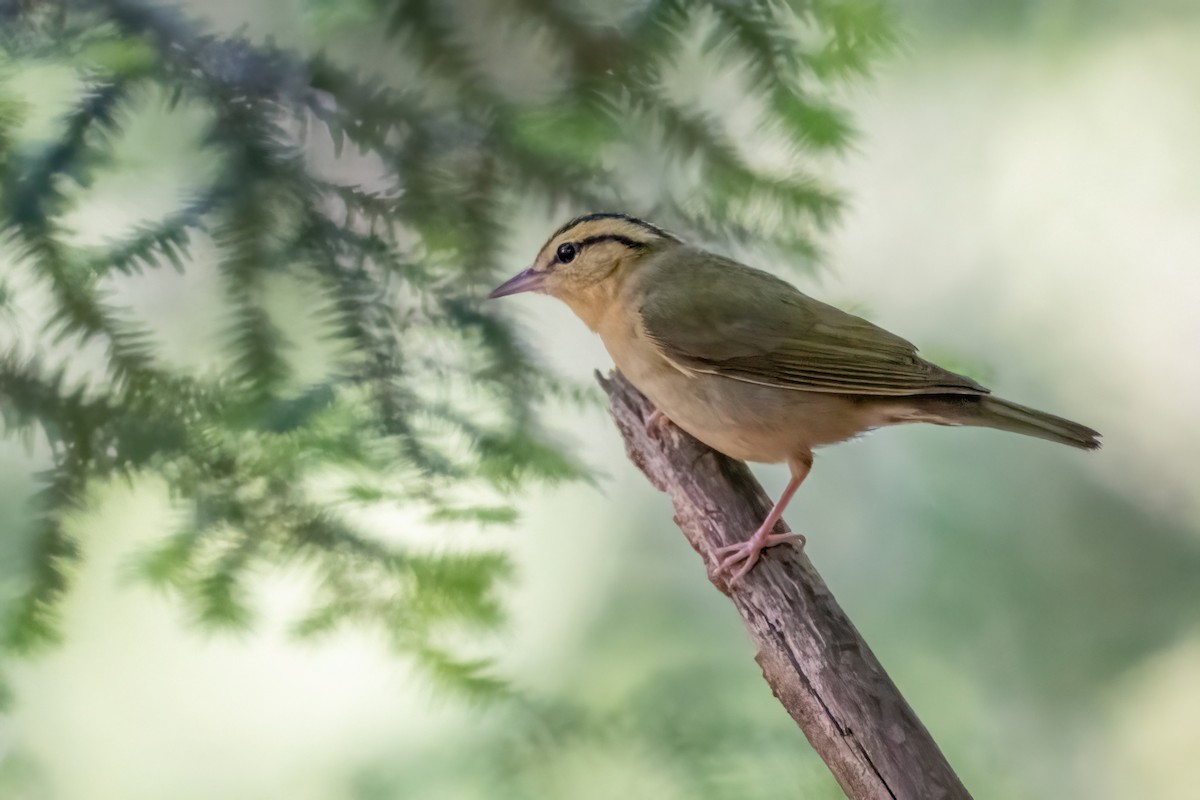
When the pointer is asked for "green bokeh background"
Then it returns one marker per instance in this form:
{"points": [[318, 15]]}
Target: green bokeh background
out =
{"points": [[1024, 204]]}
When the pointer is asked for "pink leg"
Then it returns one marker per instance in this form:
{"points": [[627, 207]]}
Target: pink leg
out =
{"points": [[746, 553]]}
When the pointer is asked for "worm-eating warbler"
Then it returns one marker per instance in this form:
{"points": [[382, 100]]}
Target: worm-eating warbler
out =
{"points": [[746, 363]]}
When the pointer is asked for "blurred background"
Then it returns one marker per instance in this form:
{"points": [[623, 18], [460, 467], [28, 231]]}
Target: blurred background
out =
{"points": [[1023, 204]]}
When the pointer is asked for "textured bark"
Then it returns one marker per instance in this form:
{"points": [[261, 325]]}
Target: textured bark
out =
{"points": [[811, 655]]}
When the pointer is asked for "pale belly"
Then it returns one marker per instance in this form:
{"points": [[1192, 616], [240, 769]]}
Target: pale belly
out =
{"points": [[744, 420]]}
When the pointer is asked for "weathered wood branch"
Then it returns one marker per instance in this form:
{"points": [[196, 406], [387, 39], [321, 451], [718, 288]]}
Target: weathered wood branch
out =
{"points": [[811, 655]]}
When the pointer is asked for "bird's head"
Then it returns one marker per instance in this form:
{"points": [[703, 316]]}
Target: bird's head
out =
{"points": [[578, 262]]}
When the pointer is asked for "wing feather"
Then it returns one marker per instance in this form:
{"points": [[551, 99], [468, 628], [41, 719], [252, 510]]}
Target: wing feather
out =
{"points": [[709, 314]]}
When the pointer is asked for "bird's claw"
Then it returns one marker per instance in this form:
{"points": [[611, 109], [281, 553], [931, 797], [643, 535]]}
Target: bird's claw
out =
{"points": [[655, 423], [747, 553]]}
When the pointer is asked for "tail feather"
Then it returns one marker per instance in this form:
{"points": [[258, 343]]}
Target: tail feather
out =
{"points": [[992, 412]]}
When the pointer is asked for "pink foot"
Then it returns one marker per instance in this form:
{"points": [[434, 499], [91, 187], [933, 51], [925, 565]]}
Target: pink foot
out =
{"points": [[747, 553]]}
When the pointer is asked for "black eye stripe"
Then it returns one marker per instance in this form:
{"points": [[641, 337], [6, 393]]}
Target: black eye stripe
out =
{"points": [[654, 229], [632, 244], [569, 251]]}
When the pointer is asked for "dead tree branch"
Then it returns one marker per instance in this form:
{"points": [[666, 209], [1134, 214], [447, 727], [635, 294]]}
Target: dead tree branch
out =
{"points": [[811, 655]]}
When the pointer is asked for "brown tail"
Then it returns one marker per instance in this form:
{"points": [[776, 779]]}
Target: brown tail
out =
{"points": [[992, 412]]}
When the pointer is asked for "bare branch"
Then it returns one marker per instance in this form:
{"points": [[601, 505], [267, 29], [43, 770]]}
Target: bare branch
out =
{"points": [[811, 655]]}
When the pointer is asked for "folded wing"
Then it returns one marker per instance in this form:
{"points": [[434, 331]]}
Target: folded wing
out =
{"points": [[709, 314]]}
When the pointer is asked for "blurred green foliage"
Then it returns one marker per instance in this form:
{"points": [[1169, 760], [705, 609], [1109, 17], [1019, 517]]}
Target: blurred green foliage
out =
{"points": [[1025, 20], [1039, 610], [691, 726], [423, 397]]}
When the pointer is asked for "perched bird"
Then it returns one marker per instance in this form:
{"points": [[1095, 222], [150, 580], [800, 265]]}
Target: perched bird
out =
{"points": [[746, 363]]}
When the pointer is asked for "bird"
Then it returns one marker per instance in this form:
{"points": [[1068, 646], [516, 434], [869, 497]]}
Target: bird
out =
{"points": [[749, 365]]}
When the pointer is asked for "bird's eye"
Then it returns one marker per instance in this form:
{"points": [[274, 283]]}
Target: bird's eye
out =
{"points": [[566, 253]]}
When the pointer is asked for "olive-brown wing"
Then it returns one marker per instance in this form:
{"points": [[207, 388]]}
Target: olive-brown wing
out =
{"points": [[710, 314]]}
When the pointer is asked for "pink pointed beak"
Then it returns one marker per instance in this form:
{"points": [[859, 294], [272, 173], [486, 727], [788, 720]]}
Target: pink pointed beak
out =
{"points": [[525, 281]]}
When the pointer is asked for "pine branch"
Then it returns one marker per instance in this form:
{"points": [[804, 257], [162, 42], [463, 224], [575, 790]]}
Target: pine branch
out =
{"points": [[224, 67], [28, 396], [33, 197], [261, 164], [776, 65], [433, 37], [166, 239], [32, 191], [856, 33], [560, 158], [733, 180], [10, 115], [715, 227], [374, 323], [366, 114], [33, 621], [594, 52], [402, 266]]}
